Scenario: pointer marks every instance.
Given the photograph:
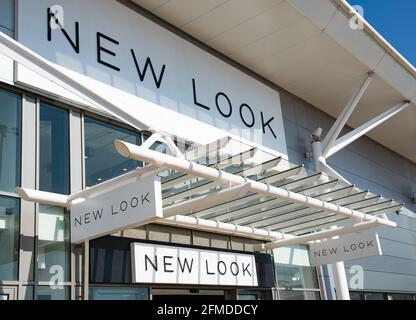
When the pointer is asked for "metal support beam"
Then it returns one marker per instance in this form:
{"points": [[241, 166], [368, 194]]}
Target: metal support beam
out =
{"points": [[340, 281], [345, 115], [320, 162], [61, 200], [49, 198], [350, 137]]}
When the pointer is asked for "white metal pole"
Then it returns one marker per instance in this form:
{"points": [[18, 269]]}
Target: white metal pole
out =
{"points": [[338, 269], [340, 281], [350, 137], [335, 130]]}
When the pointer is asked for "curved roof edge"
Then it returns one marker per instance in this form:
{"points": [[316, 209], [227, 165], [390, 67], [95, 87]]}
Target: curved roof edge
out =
{"points": [[349, 11]]}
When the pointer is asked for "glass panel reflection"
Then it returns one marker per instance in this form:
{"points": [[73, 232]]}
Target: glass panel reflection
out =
{"points": [[374, 296], [52, 293], [53, 245], [4, 297], [102, 161], [10, 137], [299, 295], [54, 149], [293, 268], [9, 237], [254, 295]]}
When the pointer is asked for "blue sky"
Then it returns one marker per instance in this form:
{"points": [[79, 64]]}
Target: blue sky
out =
{"points": [[395, 20]]}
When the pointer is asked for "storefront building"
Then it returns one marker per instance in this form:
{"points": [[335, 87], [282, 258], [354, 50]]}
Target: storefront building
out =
{"points": [[210, 109]]}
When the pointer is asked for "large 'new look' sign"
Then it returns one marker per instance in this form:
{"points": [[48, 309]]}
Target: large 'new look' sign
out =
{"points": [[176, 265], [124, 56], [348, 247], [125, 207]]}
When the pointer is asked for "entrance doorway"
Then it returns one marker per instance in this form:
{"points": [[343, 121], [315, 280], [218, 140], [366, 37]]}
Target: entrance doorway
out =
{"points": [[187, 294]]}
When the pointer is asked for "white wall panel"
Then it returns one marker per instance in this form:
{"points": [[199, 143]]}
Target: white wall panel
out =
{"points": [[7, 69]]}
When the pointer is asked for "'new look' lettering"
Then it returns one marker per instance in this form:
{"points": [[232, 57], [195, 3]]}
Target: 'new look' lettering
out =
{"points": [[165, 264]]}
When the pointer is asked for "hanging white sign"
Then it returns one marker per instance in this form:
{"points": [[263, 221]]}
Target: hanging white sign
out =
{"points": [[176, 265], [348, 247], [129, 206]]}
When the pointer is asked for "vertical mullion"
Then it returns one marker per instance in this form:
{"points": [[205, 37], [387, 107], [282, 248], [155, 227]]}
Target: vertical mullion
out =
{"points": [[85, 265], [37, 184], [27, 257], [76, 184]]}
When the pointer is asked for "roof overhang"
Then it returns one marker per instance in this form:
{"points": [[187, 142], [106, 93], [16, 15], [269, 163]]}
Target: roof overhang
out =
{"points": [[308, 48]]}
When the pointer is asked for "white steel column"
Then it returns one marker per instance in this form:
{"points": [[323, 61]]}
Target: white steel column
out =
{"points": [[355, 134], [338, 269], [345, 115], [320, 162], [340, 281]]}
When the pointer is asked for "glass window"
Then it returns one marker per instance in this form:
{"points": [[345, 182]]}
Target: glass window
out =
{"points": [[400, 296], [52, 293], [118, 293], [299, 295], [4, 296], [254, 295], [54, 149], [9, 237], [53, 245], [374, 296], [293, 268], [10, 137], [102, 161], [354, 295], [7, 17]]}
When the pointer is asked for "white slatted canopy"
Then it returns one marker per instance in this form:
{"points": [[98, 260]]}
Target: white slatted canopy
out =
{"points": [[239, 187], [257, 209], [236, 189]]}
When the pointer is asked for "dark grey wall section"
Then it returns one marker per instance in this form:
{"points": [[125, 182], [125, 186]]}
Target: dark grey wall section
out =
{"points": [[370, 166], [7, 17]]}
